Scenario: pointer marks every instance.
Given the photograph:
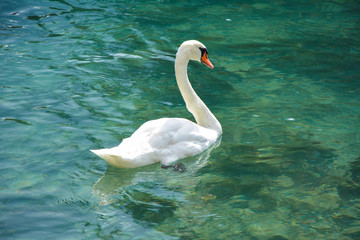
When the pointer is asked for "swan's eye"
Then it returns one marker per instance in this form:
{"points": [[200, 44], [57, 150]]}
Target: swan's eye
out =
{"points": [[203, 51]]}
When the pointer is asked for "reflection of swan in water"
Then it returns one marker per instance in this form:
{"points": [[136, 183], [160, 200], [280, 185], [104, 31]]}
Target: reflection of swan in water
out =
{"points": [[114, 181]]}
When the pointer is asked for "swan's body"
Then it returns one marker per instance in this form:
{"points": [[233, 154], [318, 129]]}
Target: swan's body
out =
{"points": [[166, 140]]}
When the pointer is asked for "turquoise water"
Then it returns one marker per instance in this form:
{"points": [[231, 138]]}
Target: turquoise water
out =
{"points": [[79, 75]]}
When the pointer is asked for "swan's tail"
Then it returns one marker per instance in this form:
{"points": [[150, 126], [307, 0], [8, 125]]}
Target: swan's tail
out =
{"points": [[112, 156]]}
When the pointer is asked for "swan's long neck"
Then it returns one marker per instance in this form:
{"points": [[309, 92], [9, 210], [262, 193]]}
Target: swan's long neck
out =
{"points": [[194, 104]]}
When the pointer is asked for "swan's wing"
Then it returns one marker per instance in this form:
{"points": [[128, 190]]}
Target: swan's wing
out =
{"points": [[167, 140]]}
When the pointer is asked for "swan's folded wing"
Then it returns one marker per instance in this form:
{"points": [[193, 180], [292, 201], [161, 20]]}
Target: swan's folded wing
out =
{"points": [[175, 138]]}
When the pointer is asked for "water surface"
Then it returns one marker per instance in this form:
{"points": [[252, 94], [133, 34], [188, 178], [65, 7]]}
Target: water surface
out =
{"points": [[79, 75]]}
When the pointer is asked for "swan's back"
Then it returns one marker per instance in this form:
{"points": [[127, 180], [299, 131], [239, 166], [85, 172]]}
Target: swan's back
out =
{"points": [[163, 140]]}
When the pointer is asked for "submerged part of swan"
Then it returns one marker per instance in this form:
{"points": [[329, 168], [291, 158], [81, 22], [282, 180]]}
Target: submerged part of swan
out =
{"points": [[166, 140]]}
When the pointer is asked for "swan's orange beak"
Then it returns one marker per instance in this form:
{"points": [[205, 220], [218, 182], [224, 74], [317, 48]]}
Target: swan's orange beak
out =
{"points": [[205, 60]]}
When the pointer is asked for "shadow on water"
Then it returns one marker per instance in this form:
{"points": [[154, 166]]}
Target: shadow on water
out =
{"points": [[247, 170], [146, 207], [349, 187]]}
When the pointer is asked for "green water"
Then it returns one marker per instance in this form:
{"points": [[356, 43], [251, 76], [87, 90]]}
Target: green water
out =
{"points": [[79, 75]]}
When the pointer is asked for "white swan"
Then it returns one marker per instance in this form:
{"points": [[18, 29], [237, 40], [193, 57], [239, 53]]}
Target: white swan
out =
{"points": [[166, 140]]}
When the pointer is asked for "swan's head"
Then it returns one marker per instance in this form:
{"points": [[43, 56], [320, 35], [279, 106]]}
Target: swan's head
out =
{"points": [[194, 50]]}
